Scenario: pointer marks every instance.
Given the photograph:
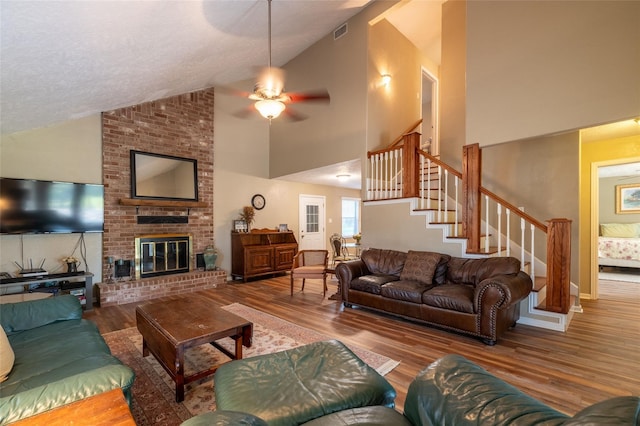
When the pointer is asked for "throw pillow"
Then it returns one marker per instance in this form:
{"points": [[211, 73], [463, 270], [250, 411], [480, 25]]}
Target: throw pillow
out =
{"points": [[620, 230], [7, 357], [420, 266]]}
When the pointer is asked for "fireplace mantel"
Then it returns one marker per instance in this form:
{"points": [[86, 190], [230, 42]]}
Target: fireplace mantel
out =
{"points": [[136, 202]]}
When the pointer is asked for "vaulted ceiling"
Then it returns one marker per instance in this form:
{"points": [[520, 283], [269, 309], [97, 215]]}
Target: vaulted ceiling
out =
{"points": [[69, 59]]}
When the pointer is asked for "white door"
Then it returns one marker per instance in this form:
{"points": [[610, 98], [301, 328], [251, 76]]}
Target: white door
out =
{"points": [[312, 222]]}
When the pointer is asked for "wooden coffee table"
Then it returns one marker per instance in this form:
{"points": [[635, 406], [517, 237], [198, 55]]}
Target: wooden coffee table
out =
{"points": [[169, 328]]}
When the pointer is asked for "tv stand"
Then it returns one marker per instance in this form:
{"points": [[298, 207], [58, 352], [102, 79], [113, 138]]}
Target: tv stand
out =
{"points": [[73, 277]]}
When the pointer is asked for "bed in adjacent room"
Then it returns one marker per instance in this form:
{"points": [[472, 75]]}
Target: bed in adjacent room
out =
{"points": [[619, 245]]}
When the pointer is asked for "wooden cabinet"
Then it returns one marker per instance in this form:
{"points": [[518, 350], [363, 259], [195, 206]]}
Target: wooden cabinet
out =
{"points": [[261, 252]]}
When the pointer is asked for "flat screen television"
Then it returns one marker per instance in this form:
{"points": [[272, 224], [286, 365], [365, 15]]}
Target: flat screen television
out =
{"points": [[36, 206]]}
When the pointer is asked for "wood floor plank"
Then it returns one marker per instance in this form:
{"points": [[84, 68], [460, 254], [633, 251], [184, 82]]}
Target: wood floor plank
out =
{"points": [[596, 359]]}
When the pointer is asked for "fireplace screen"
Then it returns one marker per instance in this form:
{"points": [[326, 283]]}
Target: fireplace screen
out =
{"points": [[162, 255]]}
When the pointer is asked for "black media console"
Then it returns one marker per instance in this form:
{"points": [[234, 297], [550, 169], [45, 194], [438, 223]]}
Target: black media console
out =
{"points": [[55, 283]]}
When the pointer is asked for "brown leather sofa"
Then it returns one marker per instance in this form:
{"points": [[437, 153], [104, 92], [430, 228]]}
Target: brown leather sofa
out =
{"points": [[478, 297]]}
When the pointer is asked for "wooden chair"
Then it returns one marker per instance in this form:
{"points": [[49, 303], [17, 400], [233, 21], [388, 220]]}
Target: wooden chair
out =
{"points": [[310, 264], [340, 251]]}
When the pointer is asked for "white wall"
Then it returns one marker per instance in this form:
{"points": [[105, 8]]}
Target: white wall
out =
{"points": [[69, 152]]}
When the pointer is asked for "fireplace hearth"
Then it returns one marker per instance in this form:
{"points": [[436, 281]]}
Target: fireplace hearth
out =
{"points": [[163, 254]]}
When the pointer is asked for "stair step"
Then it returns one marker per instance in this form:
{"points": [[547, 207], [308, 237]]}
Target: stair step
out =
{"points": [[539, 283]]}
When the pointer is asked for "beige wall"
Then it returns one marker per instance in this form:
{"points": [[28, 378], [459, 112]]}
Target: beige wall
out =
{"points": [[542, 67], [452, 82], [241, 169], [68, 152], [541, 175], [333, 132], [392, 108]]}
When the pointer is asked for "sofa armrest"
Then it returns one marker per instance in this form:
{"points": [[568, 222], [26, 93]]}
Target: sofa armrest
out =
{"points": [[622, 410], [348, 271], [502, 291], [455, 391], [36, 313], [48, 396]]}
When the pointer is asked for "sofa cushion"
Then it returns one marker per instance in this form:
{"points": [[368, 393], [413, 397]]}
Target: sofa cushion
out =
{"points": [[407, 290], [473, 271], [420, 266], [371, 283], [388, 262], [456, 297], [7, 357]]}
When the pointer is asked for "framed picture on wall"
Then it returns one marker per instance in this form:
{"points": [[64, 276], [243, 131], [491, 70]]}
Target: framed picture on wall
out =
{"points": [[628, 198]]}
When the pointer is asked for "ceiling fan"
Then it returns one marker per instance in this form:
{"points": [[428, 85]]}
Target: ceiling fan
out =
{"points": [[268, 92]]}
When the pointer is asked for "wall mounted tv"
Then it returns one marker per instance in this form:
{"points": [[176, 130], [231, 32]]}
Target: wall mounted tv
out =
{"points": [[163, 177], [36, 206]]}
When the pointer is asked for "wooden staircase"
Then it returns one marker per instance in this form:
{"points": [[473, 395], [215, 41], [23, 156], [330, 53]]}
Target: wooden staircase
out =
{"points": [[456, 203]]}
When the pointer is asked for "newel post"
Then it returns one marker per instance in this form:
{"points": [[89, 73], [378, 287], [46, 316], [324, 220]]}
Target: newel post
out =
{"points": [[558, 265], [410, 166], [471, 212]]}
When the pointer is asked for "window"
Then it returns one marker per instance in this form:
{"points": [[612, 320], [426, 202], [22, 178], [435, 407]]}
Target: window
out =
{"points": [[350, 217]]}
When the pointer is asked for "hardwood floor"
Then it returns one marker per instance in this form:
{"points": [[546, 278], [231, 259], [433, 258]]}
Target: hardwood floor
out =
{"points": [[597, 358]]}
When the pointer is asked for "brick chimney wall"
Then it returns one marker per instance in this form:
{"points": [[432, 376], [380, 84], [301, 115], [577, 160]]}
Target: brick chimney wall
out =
{"points": [[181, 126]]}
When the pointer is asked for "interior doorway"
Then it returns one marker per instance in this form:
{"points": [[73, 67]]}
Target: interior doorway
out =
{"points": [[607, 176], [429, 106], [312, 234]]}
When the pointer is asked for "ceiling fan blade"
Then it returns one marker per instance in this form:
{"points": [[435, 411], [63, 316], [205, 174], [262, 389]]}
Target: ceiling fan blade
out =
{"points": [[319, 96], [292, 115], [245, 112], [270, 82]]}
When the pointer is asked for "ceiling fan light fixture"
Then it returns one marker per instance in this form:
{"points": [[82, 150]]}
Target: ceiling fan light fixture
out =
{"points": [[270, 108]]}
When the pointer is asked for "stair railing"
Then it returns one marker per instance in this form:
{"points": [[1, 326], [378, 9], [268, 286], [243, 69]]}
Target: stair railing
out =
{"points": [[406, 171]]}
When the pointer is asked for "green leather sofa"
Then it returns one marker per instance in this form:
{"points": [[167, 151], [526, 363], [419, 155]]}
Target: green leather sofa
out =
{"points": [[453, 391], [59, 358]]}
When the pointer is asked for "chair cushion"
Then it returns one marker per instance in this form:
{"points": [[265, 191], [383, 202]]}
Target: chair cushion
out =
{"points": [[456, 297], [309, 270], [409, 291], [371, 283], [420, 266], [300, 384]]}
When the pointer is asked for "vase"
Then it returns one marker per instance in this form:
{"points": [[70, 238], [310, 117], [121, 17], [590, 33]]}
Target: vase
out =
{"points": [[72, 267], [210, 256]]}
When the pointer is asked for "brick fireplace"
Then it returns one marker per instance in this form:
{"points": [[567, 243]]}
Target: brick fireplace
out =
{"points": [[180, 126]]}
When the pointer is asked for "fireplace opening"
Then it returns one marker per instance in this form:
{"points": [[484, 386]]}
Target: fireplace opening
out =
{"points": [[163, 254]]}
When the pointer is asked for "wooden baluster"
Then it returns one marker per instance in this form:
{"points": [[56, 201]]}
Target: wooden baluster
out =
{"points": [[508, 223], [499, 213], [486, 224], [455, 220], [533, 250]]}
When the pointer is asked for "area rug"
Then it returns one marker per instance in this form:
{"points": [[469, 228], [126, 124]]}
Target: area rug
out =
{"points": [[154, 391]]}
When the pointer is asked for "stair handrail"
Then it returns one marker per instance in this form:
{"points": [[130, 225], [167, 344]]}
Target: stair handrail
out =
{"points": [[440, 163], [532, 220], [558, 232], [400, 138]]}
